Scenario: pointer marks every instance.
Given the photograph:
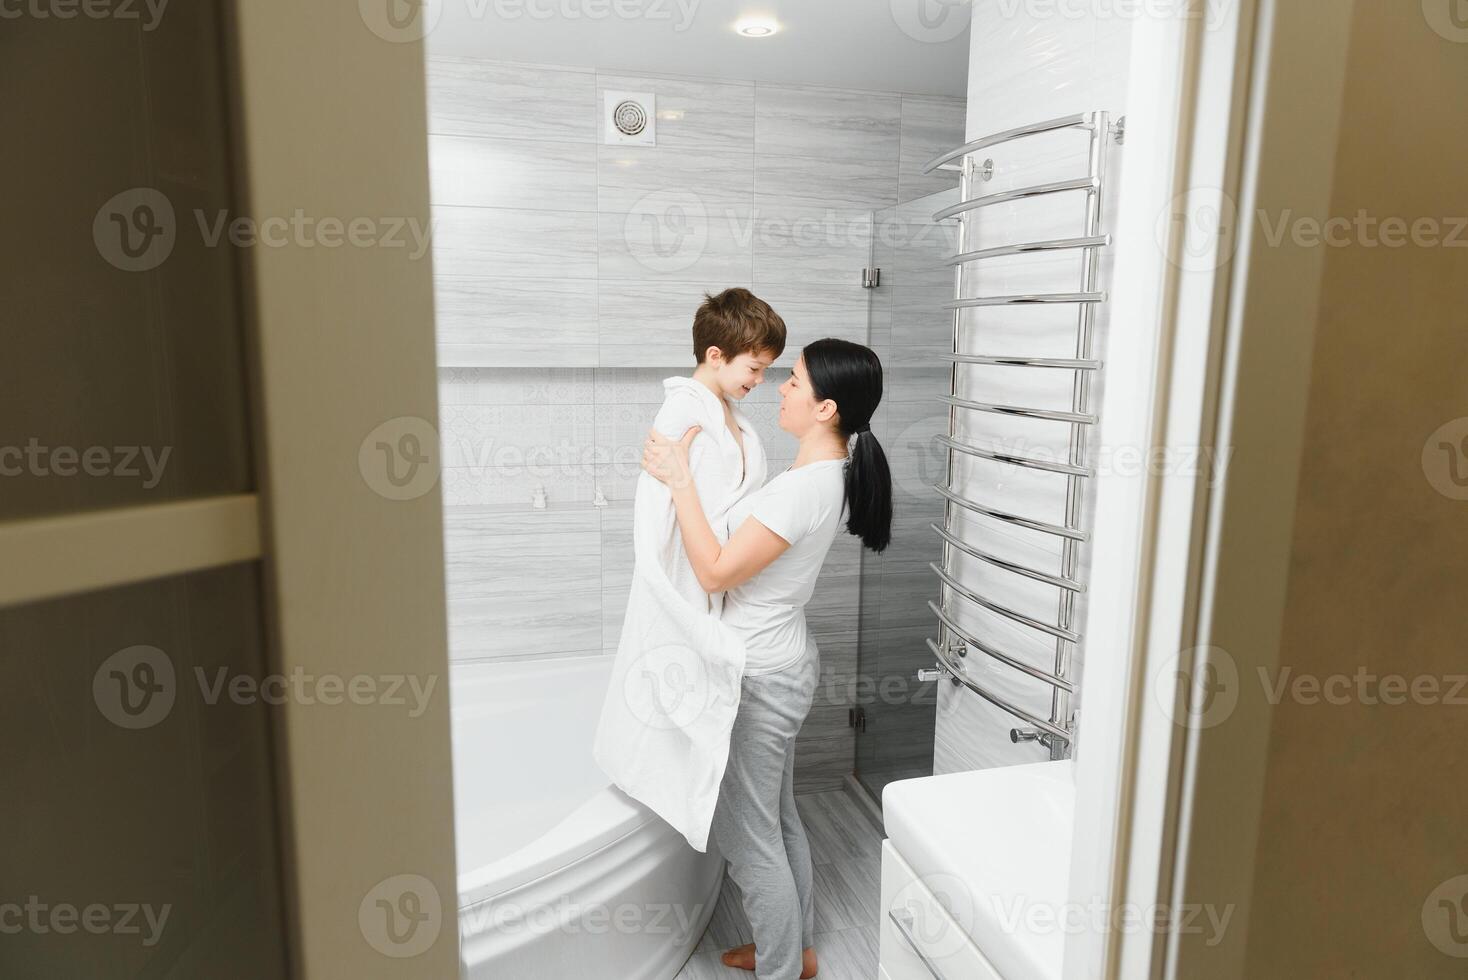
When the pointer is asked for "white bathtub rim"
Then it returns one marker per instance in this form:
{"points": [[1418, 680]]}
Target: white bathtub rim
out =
{"points": [[603, 820]]}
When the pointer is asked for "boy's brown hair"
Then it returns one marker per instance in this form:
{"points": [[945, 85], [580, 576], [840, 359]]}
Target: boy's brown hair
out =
{"points": [[737, 321]]}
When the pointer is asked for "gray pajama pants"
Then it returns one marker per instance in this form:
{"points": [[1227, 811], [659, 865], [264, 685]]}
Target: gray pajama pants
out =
{"points": [[755, 823]]}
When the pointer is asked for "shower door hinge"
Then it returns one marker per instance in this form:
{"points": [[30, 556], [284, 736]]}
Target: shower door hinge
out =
{"points": [[857, 718], [871, 278]]}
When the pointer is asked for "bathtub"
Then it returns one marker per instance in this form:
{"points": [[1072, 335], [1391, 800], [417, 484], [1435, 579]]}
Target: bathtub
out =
{"points": [[561, 875]]}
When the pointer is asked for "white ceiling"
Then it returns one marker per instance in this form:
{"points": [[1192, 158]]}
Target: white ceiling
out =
{"points": [[918, 46]]}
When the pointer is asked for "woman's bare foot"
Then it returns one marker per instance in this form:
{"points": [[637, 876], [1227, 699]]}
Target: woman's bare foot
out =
{"points": [[742, 957]]}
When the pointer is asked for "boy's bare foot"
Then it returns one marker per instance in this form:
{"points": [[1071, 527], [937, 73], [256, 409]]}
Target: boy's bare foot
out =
{"points": [[742, 957]]}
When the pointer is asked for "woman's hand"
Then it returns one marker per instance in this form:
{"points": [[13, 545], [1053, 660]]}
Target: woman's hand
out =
{"points": [[667, 460]]}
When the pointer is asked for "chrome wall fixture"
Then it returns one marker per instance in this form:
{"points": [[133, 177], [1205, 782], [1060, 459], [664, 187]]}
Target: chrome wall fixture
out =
{"points": [[1056, 732]]}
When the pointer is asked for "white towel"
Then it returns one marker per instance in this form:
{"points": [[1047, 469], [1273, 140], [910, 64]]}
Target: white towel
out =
{"points": [[663, 737]]}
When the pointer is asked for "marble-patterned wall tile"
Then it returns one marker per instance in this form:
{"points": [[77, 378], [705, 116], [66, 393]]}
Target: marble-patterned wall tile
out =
{"points": [[838, 652], [639, 178], [833, 605], [523, 174], [474, 97], [676, 239], [864, 127], [930, 128], [509, 321], [616, 571], [812, 245], [812, 311], [519, 386], [786, 183], [522, 584], [500, 242]]}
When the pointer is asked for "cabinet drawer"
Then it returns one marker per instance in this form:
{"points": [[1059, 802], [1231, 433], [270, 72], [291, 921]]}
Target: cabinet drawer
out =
{"points": [[919, 940]]}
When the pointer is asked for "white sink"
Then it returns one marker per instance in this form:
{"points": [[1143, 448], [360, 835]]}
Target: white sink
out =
{"points": [[997, 842]]}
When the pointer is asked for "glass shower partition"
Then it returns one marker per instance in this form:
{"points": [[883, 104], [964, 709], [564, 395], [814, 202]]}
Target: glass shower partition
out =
{"points": [[910, 330]]}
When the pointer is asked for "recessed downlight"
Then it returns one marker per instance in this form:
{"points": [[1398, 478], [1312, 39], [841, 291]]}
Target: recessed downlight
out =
{"points": [[756, 27]]}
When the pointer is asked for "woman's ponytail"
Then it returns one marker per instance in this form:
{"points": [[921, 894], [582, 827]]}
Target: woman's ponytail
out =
{"points": [[851, 376]]}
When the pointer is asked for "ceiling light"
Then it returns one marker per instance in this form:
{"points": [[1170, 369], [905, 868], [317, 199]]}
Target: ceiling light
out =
{"points": [[756, 27]]}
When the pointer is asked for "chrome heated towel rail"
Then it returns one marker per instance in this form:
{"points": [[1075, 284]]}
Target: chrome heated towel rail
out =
{"points": [[1055, 732]]}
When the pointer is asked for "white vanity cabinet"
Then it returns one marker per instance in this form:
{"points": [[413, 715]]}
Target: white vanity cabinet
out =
{"points": [[975, 873]]}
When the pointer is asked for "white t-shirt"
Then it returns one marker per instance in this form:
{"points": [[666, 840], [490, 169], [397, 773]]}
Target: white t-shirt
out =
{"points": [[803, 506]]}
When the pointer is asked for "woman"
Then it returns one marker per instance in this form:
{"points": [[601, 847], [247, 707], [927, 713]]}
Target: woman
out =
{"points": [[767, 570]]}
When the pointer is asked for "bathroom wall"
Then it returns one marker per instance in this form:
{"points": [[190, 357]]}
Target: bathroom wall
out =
{"points": [[1028, 63], [567, 275]]}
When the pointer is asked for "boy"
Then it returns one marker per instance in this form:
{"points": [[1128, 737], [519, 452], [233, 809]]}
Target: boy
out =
{"points": [[663, 737], [736, 336]]}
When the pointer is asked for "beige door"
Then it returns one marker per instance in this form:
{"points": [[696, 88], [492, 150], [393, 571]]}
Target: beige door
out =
{"points": [[225, 732]]}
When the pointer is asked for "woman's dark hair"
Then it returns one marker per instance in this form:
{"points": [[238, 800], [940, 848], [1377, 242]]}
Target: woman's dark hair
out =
{"points": [[851, 376]]}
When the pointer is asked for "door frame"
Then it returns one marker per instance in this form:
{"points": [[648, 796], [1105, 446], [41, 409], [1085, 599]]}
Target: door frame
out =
{"points": [[1248, 93], [345, 363]]}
